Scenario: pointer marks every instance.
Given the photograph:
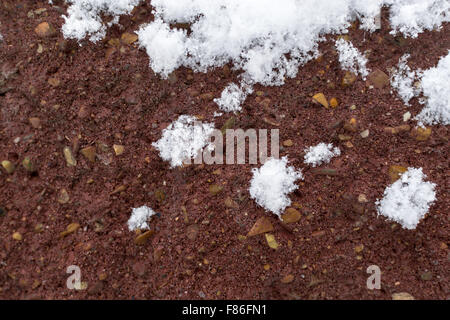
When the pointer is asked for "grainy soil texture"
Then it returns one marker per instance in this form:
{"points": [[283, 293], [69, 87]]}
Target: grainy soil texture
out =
{"points": [[77, 124]]}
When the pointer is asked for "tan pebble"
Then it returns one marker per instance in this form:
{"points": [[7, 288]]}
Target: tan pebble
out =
{"points": [[70, 159], [215, 189], [261, 225], [129, 38], [291, 215], [348, 79], [44, 29], [287, 279], [54, 82], [35, 122], [359, 248], [334, 102], [365, 133], [378, 79], [63, 196], [71, 228], [118, 149], [402, 296], [142, 238], [28, 165], [395, 172], [320, 98], [8, 166], [89, 152], [362, 198], [270, 238], [17, 236], [421, 134]]}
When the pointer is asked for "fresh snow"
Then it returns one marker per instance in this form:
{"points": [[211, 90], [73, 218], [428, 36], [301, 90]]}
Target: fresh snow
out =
{"points": [[271, 184], [408, 199], [139, 218], [84, 17], [321, 153], [265, 39], [435, 85], [411, 17], [351, 59], [183, 139], [403, 78], [233, 96]]}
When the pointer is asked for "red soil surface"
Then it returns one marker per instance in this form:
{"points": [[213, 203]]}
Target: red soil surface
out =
{"points": [[105, 94]]}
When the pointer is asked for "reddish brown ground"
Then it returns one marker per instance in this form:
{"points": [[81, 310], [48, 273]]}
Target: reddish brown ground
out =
{"points": [[101, 101]]}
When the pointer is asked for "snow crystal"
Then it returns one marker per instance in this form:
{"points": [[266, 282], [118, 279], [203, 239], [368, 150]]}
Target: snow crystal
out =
{"points": [[271, 184], [435, 87], [84, 17], [351, 59], [411, 17], [255, 35], [368, 12], [408, 199], [233, 96], [183, 139], [139, 218], [402, 80], [321, 153], [165, 46]]}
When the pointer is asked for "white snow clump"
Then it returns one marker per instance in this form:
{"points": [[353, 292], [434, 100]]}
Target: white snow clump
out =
{"points": [[271, 184], [351, 59], [403, 78], [139, 218], [321, 153], [435, 86], [411, 17], [84, 17], [408, 199], [183, 139]]}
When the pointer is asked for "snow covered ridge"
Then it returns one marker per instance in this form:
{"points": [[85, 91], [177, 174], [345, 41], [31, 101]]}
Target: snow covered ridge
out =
{"points": [[183, 139], [432, 83], [255, 35], [321, 153], [139, 218], [271, 184], [408, 199]]}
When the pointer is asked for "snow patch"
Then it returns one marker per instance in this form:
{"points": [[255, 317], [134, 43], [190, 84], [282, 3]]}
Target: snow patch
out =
{"points": [[139, 218], [403, 78], [408, 199], [233, 96], [435, 86], [411, 17], [183, 139], [271, 184], [321, 153], [84, 17], [351, 59], [267, 40]]}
